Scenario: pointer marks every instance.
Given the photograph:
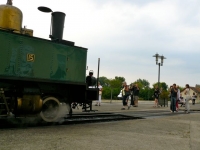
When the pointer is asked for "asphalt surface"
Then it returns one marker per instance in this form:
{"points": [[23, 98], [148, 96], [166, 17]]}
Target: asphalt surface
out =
{"points": [[160, 130]]}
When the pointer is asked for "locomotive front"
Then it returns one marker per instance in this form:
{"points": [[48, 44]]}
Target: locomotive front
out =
{"points": [[38, 75]]}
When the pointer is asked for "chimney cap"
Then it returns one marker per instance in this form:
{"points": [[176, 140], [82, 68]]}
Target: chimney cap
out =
{"points": [[44, 9]]}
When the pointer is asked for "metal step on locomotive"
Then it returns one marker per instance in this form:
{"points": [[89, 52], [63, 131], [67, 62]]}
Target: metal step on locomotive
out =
{"points": [[38, 76]]}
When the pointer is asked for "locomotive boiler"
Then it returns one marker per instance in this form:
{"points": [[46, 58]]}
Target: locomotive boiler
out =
{"points": [[37, 76]]}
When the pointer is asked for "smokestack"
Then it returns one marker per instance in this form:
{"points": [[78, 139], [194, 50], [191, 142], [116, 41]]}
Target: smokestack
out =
{"points": [[9, 2], [57, 25]]}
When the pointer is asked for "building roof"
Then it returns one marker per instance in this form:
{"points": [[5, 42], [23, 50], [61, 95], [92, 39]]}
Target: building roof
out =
{"points": [[195, 89], [198, 85]]}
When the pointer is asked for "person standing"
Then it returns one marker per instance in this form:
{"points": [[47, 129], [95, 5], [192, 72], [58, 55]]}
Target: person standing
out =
{"points": [[90, 80], [178, 98], [125, 93], [170, 89], [182, 100], [156, 96], [136, 95], [173, 98], [100, 93], [193, 98], [188, 97], [132, 95]]}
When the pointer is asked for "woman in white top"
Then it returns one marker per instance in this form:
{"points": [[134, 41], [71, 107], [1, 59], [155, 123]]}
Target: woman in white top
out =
{"points": [[100, 93], [188, 97]]}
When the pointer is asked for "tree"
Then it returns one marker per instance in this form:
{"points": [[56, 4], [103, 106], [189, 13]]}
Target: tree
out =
{"points": [[106, 93], [122, 79], [162, 84], [181, 88], [115, 83], [164, 95], [111, 87], [145, 91], [104, 81], [142, 83]]}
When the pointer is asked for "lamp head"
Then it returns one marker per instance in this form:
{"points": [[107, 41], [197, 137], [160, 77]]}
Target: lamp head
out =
{"points": [[162, 59], [44, 9], [156, 56]]}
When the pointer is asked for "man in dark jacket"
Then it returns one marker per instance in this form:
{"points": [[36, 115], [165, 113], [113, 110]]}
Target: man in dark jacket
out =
{"points": [[136, 95], [173, 98], [132, 89]]}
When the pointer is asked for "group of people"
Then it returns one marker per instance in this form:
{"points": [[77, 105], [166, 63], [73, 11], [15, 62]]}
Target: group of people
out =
{"points": [[176, 97], [133, 92]]}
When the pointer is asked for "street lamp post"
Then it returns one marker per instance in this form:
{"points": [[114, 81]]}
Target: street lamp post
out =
{"points": [[159, 63]]}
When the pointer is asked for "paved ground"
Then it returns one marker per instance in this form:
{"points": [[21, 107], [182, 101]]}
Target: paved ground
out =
{"points": [[177, 131]]}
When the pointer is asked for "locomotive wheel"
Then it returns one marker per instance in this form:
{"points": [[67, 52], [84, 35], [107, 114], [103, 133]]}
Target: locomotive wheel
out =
{"points": [[50, 109]]}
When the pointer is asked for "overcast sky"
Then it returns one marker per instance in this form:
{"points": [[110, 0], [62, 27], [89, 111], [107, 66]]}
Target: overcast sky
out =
{"points": [[125, 34]]}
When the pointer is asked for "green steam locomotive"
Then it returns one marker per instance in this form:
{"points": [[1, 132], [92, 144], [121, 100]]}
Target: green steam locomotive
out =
{"points": [[37, 76]]}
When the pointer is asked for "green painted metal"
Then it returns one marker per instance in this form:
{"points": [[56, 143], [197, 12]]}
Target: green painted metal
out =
{"points": [[29, 57]]}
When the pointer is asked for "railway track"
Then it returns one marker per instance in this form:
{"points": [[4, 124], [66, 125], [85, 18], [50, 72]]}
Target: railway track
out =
{"points": [[82, 118], [75, 119]]}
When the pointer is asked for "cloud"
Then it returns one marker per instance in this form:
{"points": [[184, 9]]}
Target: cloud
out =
{"points": [[125, 34]]}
